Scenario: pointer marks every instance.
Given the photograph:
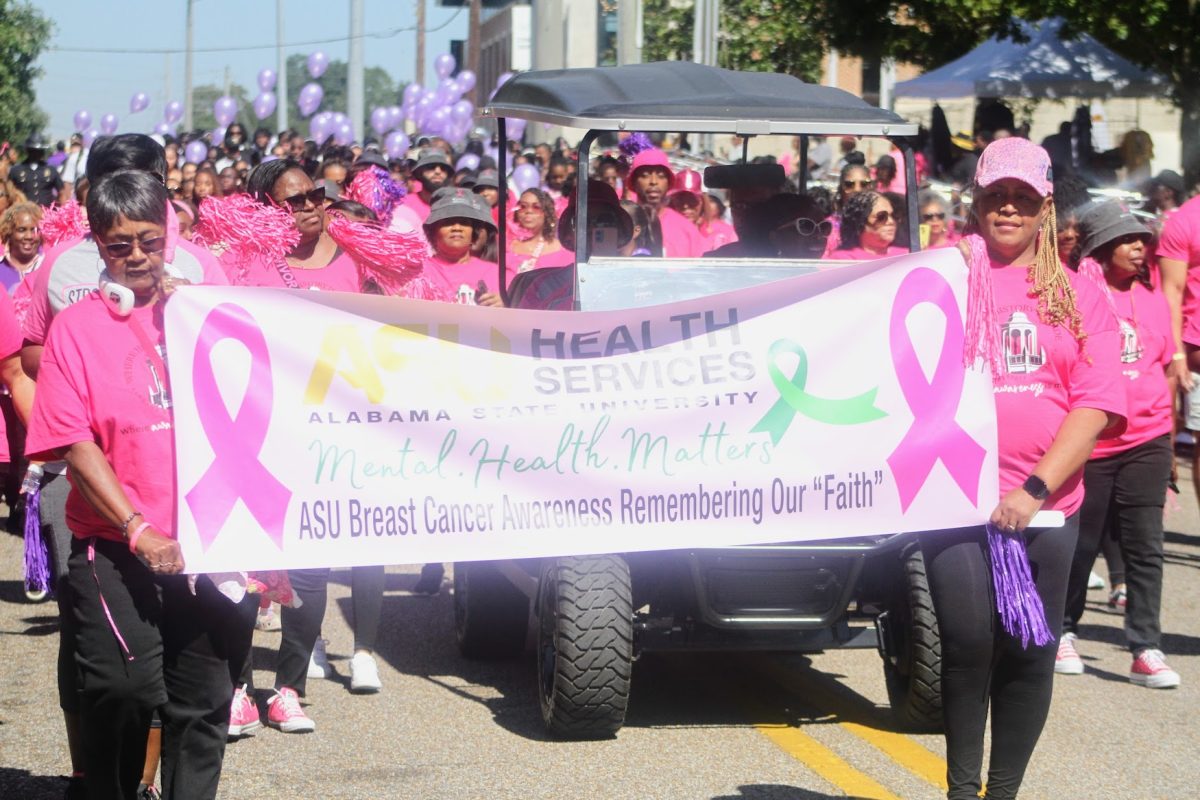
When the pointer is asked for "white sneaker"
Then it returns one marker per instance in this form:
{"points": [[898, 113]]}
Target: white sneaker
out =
{"points": [[318, 662], [267, 619], [364, 674], [1068, 661], [1095, 581]]}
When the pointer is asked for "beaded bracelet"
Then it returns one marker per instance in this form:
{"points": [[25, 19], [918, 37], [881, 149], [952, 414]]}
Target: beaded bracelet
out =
{"points": [[129, 519]]}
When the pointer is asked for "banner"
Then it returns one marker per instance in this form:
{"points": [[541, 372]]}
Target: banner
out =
{"points": [[323, 429]]}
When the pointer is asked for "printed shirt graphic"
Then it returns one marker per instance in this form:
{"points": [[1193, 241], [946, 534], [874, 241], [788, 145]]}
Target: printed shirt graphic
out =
{"points": [[1047, 374], [97, 383], [1146, 348]]}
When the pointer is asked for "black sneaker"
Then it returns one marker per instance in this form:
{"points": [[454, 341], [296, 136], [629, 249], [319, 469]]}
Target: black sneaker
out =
{"points": [[430, 582]]}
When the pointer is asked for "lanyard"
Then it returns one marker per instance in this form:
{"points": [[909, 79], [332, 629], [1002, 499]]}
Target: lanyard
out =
{"points": [[151, 350]]}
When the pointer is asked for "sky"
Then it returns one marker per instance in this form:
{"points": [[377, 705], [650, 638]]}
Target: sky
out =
{"points": [[103, 83]]}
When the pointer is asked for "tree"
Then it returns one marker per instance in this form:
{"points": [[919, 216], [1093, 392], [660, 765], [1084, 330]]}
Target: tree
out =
{"points": [[24, 33], [379, 89]]}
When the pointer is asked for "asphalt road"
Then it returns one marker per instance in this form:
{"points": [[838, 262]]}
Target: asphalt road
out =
{"points": [[721, 727]]}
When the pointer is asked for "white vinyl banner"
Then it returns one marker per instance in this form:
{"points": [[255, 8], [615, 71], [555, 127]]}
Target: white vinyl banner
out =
{"points": [[322, 429]]}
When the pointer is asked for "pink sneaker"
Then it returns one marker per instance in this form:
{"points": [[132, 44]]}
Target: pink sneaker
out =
{"points": [[1150, 670], [1068, 662], [284, 712], [243, 714]]}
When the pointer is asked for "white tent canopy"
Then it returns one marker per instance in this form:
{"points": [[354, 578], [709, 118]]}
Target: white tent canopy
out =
{"points": [[1045, 66]]}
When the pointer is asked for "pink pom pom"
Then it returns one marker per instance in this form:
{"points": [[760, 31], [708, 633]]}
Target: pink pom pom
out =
{"points": [[375, 189], [244, 231], [63, 223], [393, 261]]}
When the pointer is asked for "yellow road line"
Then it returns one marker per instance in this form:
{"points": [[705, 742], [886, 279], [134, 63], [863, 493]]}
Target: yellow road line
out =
{"points": [[826, 763], [829, 696]]}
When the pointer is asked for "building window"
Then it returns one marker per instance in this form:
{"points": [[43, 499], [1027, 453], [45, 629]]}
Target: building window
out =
{"points": [[606, 33]]}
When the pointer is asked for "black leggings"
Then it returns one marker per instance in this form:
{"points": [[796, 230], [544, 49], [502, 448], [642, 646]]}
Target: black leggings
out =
{"points": [[982, 664]]}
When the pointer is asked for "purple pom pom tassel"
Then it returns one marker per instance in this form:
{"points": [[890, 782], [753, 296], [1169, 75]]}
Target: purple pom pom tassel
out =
{"points": [[37, 560], [1017, 598]]}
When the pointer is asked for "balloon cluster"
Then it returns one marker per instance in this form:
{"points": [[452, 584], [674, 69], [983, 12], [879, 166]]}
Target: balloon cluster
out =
{"points": [[265, 102], [439, 110]]}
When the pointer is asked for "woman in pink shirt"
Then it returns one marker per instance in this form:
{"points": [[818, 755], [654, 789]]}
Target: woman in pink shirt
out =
{"points": [[1050, 342], [536, 216], [868, 229], [143, 640], [456, 221], [1127, 477], [936, 218]]}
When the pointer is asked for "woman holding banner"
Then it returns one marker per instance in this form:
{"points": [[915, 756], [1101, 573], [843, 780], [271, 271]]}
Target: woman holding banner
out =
{"points": [[144, 638], [1051, 344]]}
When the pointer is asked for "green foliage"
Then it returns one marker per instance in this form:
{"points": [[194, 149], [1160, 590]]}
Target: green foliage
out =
{"points": [[24, 33], [379, 89]]}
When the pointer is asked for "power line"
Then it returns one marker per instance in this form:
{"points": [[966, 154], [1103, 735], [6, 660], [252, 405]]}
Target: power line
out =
{"points": [[388, 34]]}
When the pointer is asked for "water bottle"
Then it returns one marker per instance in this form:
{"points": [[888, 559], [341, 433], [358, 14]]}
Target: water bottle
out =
{"points": [[33, 479]]}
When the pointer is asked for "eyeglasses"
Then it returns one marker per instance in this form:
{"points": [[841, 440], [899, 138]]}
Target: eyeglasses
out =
{"points": [[932, 217], [297, 202], [807, 227], [882, 218], [863, 184], [148, 247]]}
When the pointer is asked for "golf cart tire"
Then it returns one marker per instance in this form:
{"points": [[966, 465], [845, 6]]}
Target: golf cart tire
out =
{"points": [[914, 685], [585, 645], [491, 615]]}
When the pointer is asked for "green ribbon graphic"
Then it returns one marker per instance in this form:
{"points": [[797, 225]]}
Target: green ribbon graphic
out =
{"points": [[793, 399]]}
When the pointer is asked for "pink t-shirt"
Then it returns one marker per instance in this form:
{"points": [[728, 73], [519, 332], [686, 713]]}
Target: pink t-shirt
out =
{"points": [[1180, 241], [98, 383], [863, 254], [717, 233], [10, 343], [419, 208], [523, 262], [1147, 345], [681, 239], [949, 240], [1047, 374], [460, 281], [340, 275]]}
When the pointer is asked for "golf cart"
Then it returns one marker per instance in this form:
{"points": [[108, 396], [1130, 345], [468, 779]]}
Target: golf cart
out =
{"points": [[592, 616]]}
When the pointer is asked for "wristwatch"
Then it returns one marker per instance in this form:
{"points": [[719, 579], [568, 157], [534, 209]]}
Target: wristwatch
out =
{"points": [[1036, 487]]}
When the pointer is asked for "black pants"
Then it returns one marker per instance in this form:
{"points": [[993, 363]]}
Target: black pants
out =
{"points": [[982, 664], [1125, 495], [179, 667]]}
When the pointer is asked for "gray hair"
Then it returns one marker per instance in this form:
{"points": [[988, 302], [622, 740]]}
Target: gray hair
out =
{"points": [[929, 197], [132, 194]]}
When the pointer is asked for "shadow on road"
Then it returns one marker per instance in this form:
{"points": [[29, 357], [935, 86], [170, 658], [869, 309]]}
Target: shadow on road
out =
{"points": [[20, 783], [775, 791], [1172, 643]]}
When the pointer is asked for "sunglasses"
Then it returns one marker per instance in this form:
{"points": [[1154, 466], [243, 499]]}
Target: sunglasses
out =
{"points": [[1129, 238], [882, 218], [932, 217], [148, 247], [297, 202], [807, 227], [864, 184]]}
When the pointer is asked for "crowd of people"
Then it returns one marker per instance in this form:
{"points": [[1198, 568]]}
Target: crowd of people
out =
{"points": [[1081, 298]]}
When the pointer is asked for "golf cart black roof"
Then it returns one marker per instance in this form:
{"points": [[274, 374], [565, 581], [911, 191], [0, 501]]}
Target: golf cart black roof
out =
{"points": [[686, 97]]}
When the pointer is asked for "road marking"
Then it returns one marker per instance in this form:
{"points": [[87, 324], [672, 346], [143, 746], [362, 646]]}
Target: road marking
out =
{"points": [[831, 697], [826, 763]]}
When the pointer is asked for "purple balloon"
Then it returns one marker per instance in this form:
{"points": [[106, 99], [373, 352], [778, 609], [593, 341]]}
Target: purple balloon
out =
{"points": [[412, 93], [448, 92], [163, 129], [225, 110], [463, 111], [466, 80], [310, 98], [108, 124], [344, 134], [516, 129], [139, 102], [467, 161], [396, 144], [195, 152], [264, 105], [317, 63], [89, 136], [82, 120], [443, 65], [173, 112], [266, 80], [217, 135], [321, 126], [526, 177], [395, 116], [380, 120], [422, 110]]}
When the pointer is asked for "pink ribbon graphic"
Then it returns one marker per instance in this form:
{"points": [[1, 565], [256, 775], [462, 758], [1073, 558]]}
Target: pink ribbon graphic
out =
{"points": [[934, 433], [236, 471]]}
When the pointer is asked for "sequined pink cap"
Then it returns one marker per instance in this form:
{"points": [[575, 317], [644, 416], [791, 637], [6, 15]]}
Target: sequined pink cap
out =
{"points": [[1013, 157]]}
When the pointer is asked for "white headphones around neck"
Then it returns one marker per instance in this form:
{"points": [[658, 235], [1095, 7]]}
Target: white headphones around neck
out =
{"points": [[120, 299]]}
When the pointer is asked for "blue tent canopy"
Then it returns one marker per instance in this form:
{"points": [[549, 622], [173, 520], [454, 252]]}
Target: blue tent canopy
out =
{"points": [[1045, 66]]}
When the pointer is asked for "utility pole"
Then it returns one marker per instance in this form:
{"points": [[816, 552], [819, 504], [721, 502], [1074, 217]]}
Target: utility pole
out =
{"points": [[704, 32], [187, 70], [420, 73], [228, 80], [474, 46], [281, 87], [354, 80]]}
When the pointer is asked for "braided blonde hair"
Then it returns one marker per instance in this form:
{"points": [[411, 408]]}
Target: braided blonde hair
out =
{"points": [[1055, 297]]}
